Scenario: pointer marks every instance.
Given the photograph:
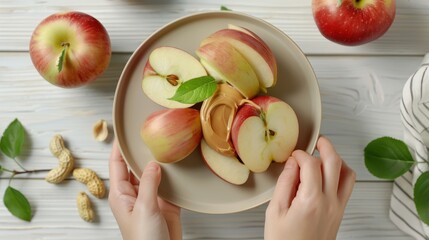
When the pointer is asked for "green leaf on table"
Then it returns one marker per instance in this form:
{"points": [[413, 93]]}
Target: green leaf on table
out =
{"points": [[223, 8], [13, 139], [195, 90], [421, 197], [17, 204], [387, 158]]}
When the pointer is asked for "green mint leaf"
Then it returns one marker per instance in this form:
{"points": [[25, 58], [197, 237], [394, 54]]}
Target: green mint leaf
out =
{"points": [[61, 60], [387, 158], [13, 139], [17, 204], [421, 197], [223, 8], [195, 90]]}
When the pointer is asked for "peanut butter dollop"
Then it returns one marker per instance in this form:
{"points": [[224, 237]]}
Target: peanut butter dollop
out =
{"points": [[217, 114]]}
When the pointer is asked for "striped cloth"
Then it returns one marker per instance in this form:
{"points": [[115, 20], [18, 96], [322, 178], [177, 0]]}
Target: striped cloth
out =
{"points": [[415, 118]]}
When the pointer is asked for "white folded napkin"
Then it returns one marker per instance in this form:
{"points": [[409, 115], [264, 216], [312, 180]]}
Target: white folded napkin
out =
{"points": [[415, 118]]}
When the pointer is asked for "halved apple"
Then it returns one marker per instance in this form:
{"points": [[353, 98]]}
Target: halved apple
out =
{"points": [[223, 62], [264, 130], [165, 70], [253, 49], [229, 169]]}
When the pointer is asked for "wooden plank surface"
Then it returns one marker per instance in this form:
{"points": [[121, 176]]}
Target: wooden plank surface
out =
{"points": [[56, 217], [131, 22], [360, 97], [360, 87]]}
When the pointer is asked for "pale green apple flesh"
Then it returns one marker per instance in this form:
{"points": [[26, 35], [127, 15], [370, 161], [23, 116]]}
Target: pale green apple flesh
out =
{"points": [[228, 168], [166, 70]]}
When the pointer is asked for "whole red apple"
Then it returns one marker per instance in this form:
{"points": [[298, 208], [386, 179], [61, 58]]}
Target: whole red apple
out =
{"points": [[353, 22], [70, 49]]}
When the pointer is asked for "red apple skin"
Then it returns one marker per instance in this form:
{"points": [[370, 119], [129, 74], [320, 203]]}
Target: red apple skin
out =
{"points": [[253, 41], [148, 70], [247, 111], [247, 31], [87, 57], [230, 66], [172, 134], [350, 25]]}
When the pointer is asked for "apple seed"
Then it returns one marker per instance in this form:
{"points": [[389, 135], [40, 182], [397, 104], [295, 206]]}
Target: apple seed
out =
{"points": [[173, 79], [269, 134]]}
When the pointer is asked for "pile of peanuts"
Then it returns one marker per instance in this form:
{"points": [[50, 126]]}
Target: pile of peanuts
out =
{"points": [[84, 175]]}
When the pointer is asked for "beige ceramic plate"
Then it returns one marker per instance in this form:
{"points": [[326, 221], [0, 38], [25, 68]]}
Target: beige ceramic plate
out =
{"points": [[189, 183]]}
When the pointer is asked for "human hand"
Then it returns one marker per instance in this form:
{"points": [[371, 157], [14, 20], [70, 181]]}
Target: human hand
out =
{"points": [[139, 212], [310, 196]]}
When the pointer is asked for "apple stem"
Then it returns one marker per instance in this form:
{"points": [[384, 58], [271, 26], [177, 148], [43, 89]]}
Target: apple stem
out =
{"points": [[62, 57], [339, 2], [173, 79]]}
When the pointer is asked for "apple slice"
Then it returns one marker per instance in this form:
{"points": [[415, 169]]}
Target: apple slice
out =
{"points": [[247, 31], [229, 169], [165, 70], [263, 131], [254, 35], [172, 134], [223, 62], [253, 49]]}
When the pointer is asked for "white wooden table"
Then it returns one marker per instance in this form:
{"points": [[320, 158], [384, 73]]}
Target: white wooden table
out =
{"points": [[360, 88]]}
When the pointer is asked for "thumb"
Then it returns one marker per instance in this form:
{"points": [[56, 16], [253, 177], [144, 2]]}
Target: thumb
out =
{"points": [[148, 188]]}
